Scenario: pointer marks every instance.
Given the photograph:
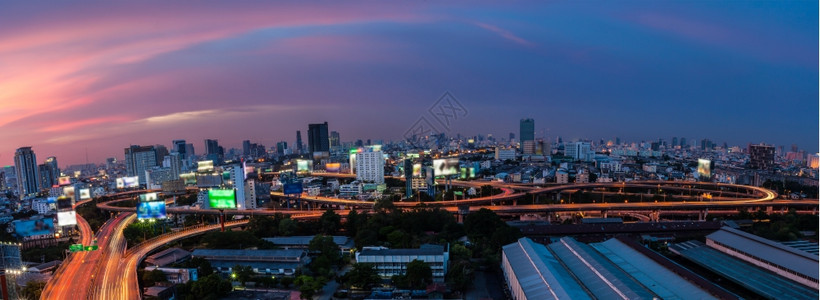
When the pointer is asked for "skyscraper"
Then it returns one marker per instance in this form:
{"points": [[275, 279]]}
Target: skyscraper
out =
{"points": [[138, 159], [246, 147], [280, 147], [28, 177], [214, 152], [179, 146], [527, 130], [674, 142], [49, 173], [318, 139], [760, 156], [334, 139], [370, 166], [298, 142]]}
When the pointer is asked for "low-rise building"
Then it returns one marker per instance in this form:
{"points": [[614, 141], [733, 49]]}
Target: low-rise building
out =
{"points": [[390, 262], [176, 275], [268, 262]]}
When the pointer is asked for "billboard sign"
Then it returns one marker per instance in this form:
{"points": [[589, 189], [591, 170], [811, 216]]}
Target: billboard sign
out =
{"points": [[445, 167], [64, 203], [85, 194], [292, 188], [221, 199], [333, 167], [151, 210], [416, 170], [68, 191], [302, 165], [131, 182], [205, 166], [704, 169], [148, 197], [34, 227], [64, 180], [67, 218], [51, 200], [188, 178], [120, 183]]}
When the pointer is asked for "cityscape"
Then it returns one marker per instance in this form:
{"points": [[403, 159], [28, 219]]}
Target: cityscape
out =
{"points": [[419, 150]]}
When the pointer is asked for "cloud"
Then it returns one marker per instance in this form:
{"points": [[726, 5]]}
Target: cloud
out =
{"points": [[504, 34]]}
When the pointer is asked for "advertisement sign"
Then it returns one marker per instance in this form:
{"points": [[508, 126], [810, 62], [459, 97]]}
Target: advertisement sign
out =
{"points": [[120, 183], [85, 194], [445, 167], [704, 169], [148, 197], [131, 182], [205, 166], [188, 178], [34, 227], [68, 191], [67, 218], [416, 170], [51, 200], [292, 188], [222, 199], [333, 167], [64, 180], [302, 165], [151, 210]]}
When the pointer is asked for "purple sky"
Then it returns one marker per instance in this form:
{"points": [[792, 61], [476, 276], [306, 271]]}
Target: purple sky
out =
{"points": [[99, 76]]}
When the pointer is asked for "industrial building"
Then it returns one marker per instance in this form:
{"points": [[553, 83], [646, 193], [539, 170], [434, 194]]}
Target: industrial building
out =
{"points": [[389, 262], [269, 262]]}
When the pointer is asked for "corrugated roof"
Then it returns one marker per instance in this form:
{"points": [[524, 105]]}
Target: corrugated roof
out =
{"points": [[250, 254], [539, 273], [771, 251]]}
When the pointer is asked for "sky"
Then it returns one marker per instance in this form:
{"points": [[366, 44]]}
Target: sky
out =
{"points": [[87, 79]]}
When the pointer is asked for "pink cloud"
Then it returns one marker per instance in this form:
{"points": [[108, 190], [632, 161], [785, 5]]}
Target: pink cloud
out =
{"points": [[504, 34]]}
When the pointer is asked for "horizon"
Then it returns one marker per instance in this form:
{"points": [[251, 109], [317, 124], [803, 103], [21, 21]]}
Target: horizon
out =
{"points": [[100, 77]]}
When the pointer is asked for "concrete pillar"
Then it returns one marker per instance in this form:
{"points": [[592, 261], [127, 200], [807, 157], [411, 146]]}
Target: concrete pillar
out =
{"points": [[702, 214], [604, 213], [549, 217]]}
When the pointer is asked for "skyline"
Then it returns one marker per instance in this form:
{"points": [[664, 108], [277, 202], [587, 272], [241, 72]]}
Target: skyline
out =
{"points": [[104, 76]]}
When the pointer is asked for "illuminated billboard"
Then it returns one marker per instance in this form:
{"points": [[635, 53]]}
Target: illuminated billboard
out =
{"points": [[131, 182], [120, 183], [188, 178], [704, 169], [302, 165], [445, 167], [51, 200], [64, 180], [416, 170], [205, 166], [85, 194], [68, 191], [333, 167], [222, 199], [148, 197], [34, 227], [151, 210], [292, 188], [64, 203], [66, 218]]}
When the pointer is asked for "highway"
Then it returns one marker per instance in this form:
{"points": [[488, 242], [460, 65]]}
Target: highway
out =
{"points": [[74, 267]]}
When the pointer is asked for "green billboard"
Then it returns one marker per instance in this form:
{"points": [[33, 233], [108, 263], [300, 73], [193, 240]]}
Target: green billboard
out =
{"points": [[220, 199]]}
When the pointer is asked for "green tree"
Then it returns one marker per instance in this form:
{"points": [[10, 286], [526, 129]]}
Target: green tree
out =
{"points": [[33, 290], [362, 275], [243, 273], [460, 275], [330, 222], [308, 286], [211, 286], [352, 225], [418, 274], [398, 239], [152, 277], [287, 227]]}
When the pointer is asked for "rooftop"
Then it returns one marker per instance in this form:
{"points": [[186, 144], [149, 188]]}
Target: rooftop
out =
{"points": [[251, 255], [423, 250], [768, 250], [167, 256]]}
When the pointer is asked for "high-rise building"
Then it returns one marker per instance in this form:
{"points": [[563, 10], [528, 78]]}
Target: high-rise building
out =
{"points": [[408, 178], [214, 152], [237, 179], [674, 142], [683, 144], [298, 142], [370, 166], [161, 152], [49, 173], [246, 147], [334, 139], [761, 156], [318, 139], [528, 147], [28, 177], [527, 130], [179, 146], [577, 150], [280, 147], [189, 151], [174, 160], [138, 159]]}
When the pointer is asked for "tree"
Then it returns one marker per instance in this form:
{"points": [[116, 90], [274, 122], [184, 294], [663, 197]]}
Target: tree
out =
{"points": [[352, 225], [385, 204], [152, 277], [482, 223], [308, 286], [287, 227], [33, 290], [286, 281], [418, 274], [362, 275], [243, 273], [460, 275], [202, 265], [210, 286], [330, 222]]}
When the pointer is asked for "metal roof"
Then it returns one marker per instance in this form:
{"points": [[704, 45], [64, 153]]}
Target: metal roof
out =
{"points": [[768, 250], [304, 240], [756, 279], [250, 255], [539, 273], [652, 275]]}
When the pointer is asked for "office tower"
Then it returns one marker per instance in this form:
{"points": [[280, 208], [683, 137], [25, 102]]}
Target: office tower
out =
{"points": [[408, 178], [370, 166], [617, 140], [237, 179], [674, 142], [190, 153], [49, 172], [683, 144], [246, 147], [318, 139], [760, 156], [180, 147], [280, 147], [359, 143], [577, 150], [138, 159], [28, 177], [174, 163], [298, 142], [214, 152], [161, 152], [334, 139], [528, 147], [706, 144], [527, 130]]}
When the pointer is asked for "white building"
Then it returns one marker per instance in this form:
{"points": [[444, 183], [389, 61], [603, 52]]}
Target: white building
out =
{"points": [[237, 180], [389, 262], [40, 206], [352, 189], [154, 177], [578, 150], [370, 166], [561, 176], [250, 194], [504, 154]]}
